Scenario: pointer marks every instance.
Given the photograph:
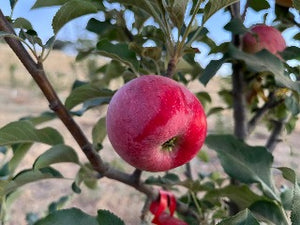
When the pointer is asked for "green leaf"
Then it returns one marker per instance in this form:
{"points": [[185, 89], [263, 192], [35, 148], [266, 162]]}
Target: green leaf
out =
{"points": [[244, 217], [98, 27], [56, 154], [47, 3], [119, 52], [258, 5], [89, 104], [236, 26], [214, 110], [113, 70], [215, 5], [105, 217], [99, 132], [292, 103], [270, 211], [265, 61], [203, 156], [20, 151], [291, 53], [3, 150], [57, 205], [12, 3], [71, 10], [204, 98], [168, 179], [297, 36], [28, 176], [22, 23], [138, 4], [4, 170], [49, 44], [31, 218], [86, 175], [43, 117], [4, 34], [243, 162], [67, 217], [154, 33], [31, 36], [75, 188], [86, 92], [150, 7], [226, 96], [211, 69], [154, 53], [290, 175], [286, 197], [176, 10], [243, 196], [296, 4], [24, 132]]}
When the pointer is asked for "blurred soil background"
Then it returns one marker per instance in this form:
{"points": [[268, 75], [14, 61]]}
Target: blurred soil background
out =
{"points": [[20, 97]]}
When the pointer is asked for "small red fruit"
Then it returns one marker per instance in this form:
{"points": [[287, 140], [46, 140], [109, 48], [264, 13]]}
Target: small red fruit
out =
{"points": [[263, 37], [165, 219], [155, 123]]}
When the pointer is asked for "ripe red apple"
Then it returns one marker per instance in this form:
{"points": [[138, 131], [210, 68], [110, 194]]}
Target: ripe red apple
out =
{"points": [[155, 123], [263, 37], [285, 3], [165, 219]]}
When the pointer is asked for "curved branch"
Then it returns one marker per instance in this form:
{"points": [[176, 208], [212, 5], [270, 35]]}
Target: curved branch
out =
{"points": [[271, 103], [274, 136]]}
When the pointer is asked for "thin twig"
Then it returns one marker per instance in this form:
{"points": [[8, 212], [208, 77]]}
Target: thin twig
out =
{"points": [[136, 176], [188, 171], [245, 11], [271, 103], [274, 136], [171, 67], [145, 209]]}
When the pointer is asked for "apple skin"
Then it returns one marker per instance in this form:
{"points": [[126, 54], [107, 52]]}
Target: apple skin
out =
{"points": [[149, 111], [263, 37], [166, 219], [285, 3]]}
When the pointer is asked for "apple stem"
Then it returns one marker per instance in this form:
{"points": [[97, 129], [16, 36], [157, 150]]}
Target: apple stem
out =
{"points": [[170, 144]]}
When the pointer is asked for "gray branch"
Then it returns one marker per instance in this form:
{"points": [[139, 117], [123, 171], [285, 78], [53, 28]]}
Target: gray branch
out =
{"points": [[271, 103], [274, 136]]}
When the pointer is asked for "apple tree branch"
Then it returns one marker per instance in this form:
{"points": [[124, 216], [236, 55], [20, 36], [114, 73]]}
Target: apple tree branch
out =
{"points": [[239, 101]]}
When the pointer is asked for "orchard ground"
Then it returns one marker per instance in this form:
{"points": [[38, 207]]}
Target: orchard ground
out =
{"points": [[20, 97]]}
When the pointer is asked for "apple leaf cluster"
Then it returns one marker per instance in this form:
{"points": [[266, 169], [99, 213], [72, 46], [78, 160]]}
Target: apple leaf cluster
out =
{"points": [[163, 37]]}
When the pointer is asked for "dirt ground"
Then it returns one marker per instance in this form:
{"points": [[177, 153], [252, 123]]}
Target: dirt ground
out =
{"points": [[20, 97]]}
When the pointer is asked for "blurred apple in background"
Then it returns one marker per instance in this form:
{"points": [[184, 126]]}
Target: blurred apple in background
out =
{"points": [[264, 37]]}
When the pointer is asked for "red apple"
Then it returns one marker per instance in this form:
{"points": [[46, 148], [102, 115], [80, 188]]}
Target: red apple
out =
{"points": [[285, 3], [166, 219], [155, 123], [263, 37]]}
